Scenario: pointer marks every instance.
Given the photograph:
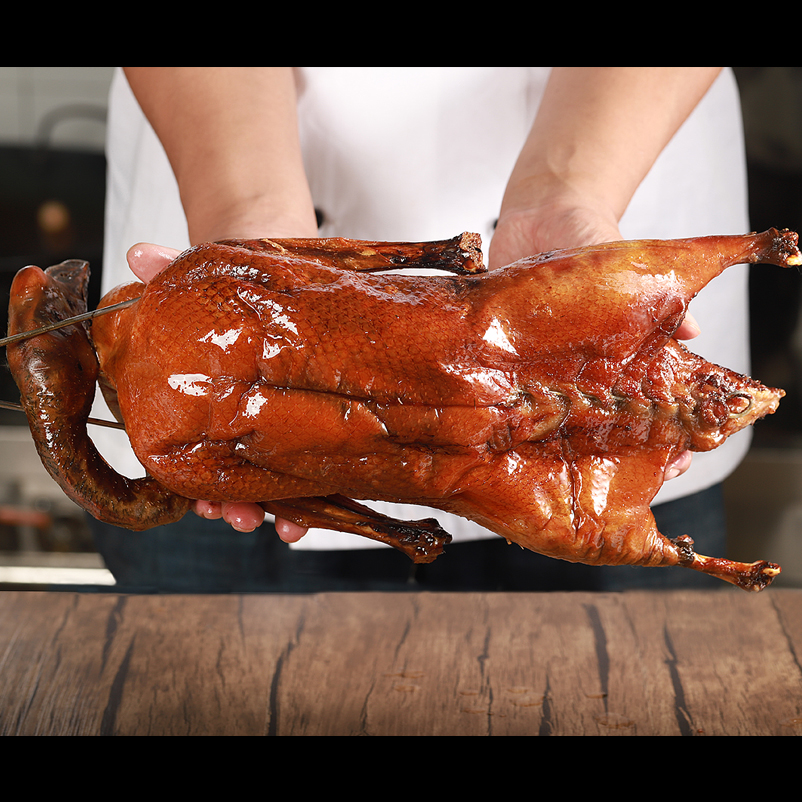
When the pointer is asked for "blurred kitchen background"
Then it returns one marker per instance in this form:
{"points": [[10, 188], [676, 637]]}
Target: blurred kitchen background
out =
{"points": [[52, 190], [52, 187]]}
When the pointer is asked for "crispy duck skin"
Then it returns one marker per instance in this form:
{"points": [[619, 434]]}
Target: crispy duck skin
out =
{"points": [[543, 400], [56, 375]]}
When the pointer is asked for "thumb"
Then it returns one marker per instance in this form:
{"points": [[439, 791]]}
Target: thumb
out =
{"points": [[147, 260]]}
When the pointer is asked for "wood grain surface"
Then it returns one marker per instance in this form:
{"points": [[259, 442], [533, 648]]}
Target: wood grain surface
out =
{"points": [[639, 663]]}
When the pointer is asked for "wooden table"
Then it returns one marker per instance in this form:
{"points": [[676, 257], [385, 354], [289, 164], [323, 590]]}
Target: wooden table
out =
{"points": [[640, 663]]}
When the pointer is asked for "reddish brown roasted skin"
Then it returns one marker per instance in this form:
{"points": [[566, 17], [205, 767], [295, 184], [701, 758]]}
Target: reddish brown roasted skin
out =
{"points": [[56, 376], [543, 401]]}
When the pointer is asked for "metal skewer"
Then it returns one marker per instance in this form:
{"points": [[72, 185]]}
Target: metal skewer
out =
{"points": [[111, 424], [60, 324]]}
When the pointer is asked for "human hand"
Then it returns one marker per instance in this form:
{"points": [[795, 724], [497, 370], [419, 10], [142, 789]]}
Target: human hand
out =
{"points": [[527, 232], [146, 262]]}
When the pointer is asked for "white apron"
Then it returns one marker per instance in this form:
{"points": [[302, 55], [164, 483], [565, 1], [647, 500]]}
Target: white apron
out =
{"points": [[424, 153]]}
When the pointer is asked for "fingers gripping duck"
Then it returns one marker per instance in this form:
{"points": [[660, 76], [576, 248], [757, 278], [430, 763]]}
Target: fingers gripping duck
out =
{"points": [[543, 400]]}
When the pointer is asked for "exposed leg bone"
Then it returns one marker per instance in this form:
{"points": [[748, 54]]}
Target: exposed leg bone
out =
{"points": [[748, 576], [422, 541], [461, 255]]}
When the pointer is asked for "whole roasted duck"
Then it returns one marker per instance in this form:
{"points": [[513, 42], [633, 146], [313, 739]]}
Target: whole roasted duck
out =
{"points": [[543, 400]]}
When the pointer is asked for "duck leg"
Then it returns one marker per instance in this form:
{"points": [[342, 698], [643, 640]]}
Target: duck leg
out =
{"points": [[461, 254], [422, 541], [748, 576], [593, 510], [56, 374]]}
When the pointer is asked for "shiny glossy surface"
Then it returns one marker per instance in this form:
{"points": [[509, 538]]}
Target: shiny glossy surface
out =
{"points": [[56, 374], [543, 401]]}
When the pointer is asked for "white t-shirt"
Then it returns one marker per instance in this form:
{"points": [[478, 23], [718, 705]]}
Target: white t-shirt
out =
{"points": [[424, 153]]}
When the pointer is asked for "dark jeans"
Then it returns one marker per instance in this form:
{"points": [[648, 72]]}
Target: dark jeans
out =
{"points": [[198, 556]]}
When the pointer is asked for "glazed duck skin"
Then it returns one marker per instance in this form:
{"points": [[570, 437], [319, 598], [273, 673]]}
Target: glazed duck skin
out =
{"points": [[56, 375], [543, 401]]}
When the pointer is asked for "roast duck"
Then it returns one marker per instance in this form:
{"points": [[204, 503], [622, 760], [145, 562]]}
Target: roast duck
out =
{"points": [[543, 400]]}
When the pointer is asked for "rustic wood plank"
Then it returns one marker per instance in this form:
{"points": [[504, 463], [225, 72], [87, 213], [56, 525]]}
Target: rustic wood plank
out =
{"points": [[789, 609], [51, 653], [634, 678], [734, 673], [329, 674], [192, 665], [435, 679], [640, 663], [544, 651], [148, 665]]}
